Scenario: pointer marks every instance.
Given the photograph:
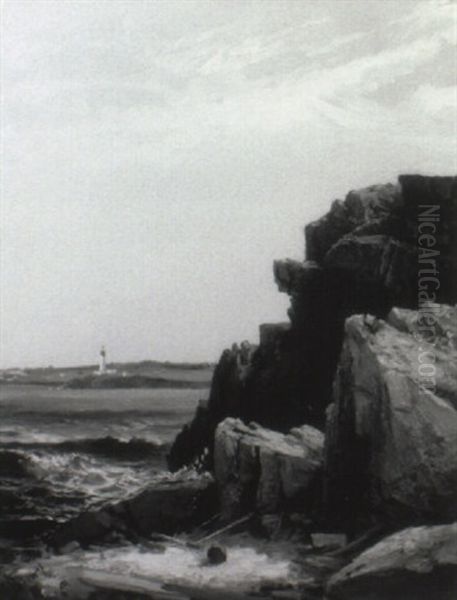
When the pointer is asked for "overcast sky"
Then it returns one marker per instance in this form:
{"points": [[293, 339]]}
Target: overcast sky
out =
{"points": [[158, 155]]}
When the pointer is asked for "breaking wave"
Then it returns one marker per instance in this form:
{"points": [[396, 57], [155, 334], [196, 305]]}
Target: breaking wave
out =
{"points": [[108, 447]]}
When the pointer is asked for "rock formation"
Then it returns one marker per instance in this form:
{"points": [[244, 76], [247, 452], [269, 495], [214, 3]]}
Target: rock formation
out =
{"points": [[260, 470], [391, 444], [364, 256], [167, 506], [418, 563]]}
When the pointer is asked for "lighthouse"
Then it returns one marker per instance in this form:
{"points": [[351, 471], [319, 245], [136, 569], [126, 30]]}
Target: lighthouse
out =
{"points": [[102, 362]]}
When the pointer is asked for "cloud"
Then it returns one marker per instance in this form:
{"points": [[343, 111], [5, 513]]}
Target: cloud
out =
{"points": [[152, 146]]}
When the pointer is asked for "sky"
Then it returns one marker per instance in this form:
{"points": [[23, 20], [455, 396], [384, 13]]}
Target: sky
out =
{"points": [[157, 156]]}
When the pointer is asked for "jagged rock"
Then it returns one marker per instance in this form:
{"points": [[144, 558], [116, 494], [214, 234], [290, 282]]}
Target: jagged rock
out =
{"points": [[193, 439], [164, 507], [418, 563], [228, 390], [263, 470], [362, 257], [382, 270], [361, 207], [391, 444]]}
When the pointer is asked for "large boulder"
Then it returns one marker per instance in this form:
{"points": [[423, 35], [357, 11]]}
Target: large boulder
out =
{"points": [[418, 563], [167, 506], [257, 469], [391, 440]]}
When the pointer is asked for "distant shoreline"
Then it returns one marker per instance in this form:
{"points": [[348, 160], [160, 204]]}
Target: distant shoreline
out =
{"points": [[118, 383], [145, 374]]}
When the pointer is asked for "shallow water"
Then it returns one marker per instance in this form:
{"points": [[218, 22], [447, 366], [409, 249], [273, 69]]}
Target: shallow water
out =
{"points": [[64, 450]]}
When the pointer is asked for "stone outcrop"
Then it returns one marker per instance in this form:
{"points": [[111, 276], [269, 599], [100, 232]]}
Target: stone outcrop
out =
{"points": [[391, 441], [260, 470], [418, 563], [225, 399], [362, 257], [167, 506], [375, 205]]}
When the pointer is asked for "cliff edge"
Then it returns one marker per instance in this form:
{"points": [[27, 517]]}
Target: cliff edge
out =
{"points": [[385, 246]]}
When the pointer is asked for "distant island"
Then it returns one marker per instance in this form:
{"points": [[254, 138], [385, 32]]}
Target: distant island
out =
{"points": [[144, 374]]}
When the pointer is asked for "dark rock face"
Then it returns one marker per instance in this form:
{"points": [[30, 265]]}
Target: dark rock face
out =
{"points": [[418, 563], [362, 257], [391, 445], [165, 507], [226, 398], [376, 205]]}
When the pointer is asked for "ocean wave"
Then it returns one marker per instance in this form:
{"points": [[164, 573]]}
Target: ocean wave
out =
{"points": [[134, 449], [112, 447]]}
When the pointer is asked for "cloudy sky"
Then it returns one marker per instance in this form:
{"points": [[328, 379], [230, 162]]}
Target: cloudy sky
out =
{"points": [[158, 155]]}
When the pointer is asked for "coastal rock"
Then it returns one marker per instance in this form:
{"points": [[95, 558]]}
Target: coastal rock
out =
{"points": [[172, 506], [216, 554], [418, 563], [328, 541], [363, 257], [191, 442], [391, 443], [368, 205], [14, 464], [262, 470], [382, 271], [167, 506], [228, 389]]}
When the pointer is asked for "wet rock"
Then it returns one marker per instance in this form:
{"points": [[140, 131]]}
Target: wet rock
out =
{"points": [[69, 548], [216, 554], [14, 464], [193, 439], [172, 506], [25, 528], [418, 563], [166, 507], [88, 528], [20, 588], [328, 541], [263, 470], [271, 525], [391, 444]]}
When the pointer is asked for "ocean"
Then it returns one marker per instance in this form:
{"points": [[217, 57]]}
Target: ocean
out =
{"points": [[63, 451]]}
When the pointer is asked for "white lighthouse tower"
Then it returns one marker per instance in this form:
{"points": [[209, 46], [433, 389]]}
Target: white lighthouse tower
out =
{"points": [[102, 363]]}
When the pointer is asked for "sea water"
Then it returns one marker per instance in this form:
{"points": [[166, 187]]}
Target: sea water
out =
{"points": [[62, 451]]}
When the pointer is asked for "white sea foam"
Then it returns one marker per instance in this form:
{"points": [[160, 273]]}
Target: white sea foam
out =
{"points": [[71, 472], [244, 568]]}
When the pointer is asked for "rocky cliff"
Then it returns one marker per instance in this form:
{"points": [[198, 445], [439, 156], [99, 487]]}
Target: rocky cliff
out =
{"points": [[364, 256]]}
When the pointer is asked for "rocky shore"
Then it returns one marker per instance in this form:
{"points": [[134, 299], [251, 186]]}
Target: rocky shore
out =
{"points": [[330, 442]]}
